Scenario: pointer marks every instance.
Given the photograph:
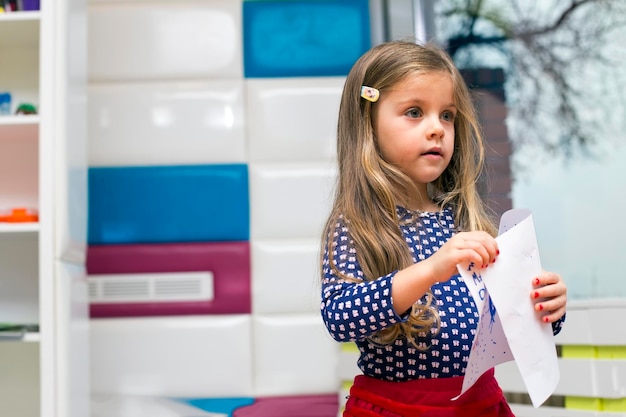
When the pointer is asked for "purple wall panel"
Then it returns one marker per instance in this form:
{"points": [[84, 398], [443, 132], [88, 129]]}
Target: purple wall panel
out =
{"points": [[228, 261], [289, 406]]}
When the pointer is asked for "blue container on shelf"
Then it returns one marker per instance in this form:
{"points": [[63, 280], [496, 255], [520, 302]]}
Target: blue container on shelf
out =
{"points": [[5, 104]]}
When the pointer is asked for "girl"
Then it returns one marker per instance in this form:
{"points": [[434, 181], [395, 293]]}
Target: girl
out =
{"points": [[406, 212]]}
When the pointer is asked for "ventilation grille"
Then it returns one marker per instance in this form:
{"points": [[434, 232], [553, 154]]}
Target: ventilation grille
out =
{"points": [[153, 287]]}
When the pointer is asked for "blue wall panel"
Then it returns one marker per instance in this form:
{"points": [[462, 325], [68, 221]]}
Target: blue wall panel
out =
{"points": [[304, 38], [154, 204]]}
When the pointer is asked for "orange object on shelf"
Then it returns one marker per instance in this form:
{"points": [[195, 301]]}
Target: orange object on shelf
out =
{"points": [[20, 215]]}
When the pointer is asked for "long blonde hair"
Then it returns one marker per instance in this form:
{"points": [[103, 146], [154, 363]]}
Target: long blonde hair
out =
{"points": [[368, 187]]}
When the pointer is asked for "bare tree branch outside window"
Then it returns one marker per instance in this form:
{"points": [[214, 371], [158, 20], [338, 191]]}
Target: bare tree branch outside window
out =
{"points": [[565, 62]]}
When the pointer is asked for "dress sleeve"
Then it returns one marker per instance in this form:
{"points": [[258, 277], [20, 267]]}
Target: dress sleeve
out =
{"points": [[353, 309], [557, 326]]}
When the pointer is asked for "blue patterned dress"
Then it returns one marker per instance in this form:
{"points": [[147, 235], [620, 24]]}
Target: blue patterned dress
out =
{"points": [[354, 311]]}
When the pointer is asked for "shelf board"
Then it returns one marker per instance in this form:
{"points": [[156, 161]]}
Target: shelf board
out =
{"points": [[31, 337], [24, 119], [7, 228], [20, 16], [23, 337]]}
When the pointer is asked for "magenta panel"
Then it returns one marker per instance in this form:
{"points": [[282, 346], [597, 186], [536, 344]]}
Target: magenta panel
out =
{"points": [[228, 261], [289, 406]]}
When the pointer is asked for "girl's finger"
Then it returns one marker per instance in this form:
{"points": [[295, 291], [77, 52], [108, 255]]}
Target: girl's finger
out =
{"points": [[546, 278], [551, 304], [553, 316]]}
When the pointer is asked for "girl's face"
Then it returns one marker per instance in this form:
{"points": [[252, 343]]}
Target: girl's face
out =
{"points": [[414, 126]]}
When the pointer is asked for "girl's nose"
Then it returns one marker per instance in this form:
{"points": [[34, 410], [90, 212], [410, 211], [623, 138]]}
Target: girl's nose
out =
{"points": [[435, 129]]}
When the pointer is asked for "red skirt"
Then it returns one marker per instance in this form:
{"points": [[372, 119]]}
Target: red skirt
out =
{"points": [[370, 397]]}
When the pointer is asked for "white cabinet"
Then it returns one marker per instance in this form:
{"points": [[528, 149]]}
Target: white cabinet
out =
{"points": [[43, 167]]}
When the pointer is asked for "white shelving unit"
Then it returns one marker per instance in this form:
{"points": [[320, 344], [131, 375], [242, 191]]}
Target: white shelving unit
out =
{"points": [[19, 154], [43, 168]]}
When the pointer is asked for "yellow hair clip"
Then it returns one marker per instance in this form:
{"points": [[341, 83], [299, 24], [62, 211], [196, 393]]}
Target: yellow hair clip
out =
{"points": [[369, 93]]}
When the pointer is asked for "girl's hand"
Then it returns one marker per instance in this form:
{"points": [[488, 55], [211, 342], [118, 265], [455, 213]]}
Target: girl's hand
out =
{"points": [[550, 296], [412, 282], [479, 248]]}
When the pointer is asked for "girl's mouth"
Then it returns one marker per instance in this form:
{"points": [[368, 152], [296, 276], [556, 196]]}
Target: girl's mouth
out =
{"points": [[433, 152]]}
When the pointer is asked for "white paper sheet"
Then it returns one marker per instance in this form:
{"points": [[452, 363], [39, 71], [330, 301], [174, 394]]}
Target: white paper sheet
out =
{"points": [[509, 328]]}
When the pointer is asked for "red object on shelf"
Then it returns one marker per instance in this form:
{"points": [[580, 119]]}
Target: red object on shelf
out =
{"points": [[20, 215]]}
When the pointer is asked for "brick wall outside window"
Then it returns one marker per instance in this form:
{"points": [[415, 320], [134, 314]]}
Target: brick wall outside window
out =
{"points": [[487, 84]]}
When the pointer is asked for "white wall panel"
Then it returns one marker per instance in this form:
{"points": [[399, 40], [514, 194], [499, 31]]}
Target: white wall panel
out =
{"points": [[577, 329], [586, 323], [166, 123], [529, 411], [293, 119], [290, 201], [610, 377], [293, 354], [155, 40], [601, 378], [348, 359], [608, 332], [289, 268], [192, 356]]}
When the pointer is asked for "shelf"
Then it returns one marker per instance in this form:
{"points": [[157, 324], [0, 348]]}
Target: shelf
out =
{"points": [[28, 337], [19, 29], [19, 48], [19, 120], [8, 228], [43, 371], [15, 332], [20, 16]]}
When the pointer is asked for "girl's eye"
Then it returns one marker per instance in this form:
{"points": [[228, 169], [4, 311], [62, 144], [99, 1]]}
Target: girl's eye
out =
{"points": [[448, 116], [414, 112]]}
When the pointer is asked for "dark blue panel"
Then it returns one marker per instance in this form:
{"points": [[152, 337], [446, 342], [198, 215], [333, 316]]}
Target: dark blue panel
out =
{"points": [[152, 204], [304, 38]]}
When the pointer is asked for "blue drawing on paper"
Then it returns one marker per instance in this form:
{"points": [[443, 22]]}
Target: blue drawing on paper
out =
{"points": [[492, 314]]}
